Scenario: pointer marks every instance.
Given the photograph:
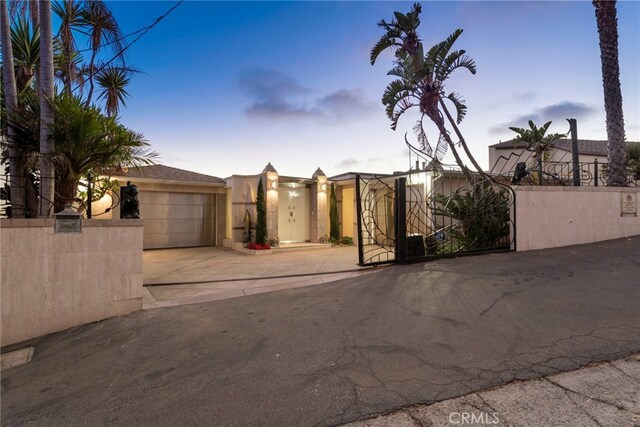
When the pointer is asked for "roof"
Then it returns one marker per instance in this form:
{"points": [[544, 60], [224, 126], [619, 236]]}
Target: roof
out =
{"points": [[585, 146], [162, 172]]}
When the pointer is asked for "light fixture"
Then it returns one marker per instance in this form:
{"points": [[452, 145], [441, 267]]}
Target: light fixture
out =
{"points": [[273, 185], [68, 221], [323, 188]]}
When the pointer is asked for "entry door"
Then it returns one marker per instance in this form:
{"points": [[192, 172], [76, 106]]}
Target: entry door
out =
{"points": [[293, 214]]}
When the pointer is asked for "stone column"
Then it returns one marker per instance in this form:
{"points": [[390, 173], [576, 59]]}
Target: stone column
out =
{"points": [[270, 178], [319, 207]]}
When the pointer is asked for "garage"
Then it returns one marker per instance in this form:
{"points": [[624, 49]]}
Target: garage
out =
{"points": [[180, 208]]}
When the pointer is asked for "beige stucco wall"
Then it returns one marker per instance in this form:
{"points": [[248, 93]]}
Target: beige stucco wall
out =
{"points": [[548, 217], [50, 282]]}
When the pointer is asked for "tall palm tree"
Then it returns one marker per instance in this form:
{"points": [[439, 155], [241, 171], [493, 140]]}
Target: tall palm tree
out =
{"points": [[45, 85], [608, 33], [113, 80], [16, 179], [70, 14], [102, 29], [26, 53], [420, 82]]}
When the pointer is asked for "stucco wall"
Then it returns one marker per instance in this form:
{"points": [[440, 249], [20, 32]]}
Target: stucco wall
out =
{"points": [[50, 282], [548, 217]]}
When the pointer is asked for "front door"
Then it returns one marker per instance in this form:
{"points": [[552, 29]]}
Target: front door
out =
{"points": [[293, 214]]}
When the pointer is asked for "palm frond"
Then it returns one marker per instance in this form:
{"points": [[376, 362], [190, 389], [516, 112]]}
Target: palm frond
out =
{"points": [[458, 102]]}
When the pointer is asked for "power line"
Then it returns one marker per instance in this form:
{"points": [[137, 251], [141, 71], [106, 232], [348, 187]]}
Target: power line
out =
{"points": [[143, 31]]}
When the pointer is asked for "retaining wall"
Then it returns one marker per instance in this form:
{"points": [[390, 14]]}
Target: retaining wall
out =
{"points": [[53, 281], [548, 217]]}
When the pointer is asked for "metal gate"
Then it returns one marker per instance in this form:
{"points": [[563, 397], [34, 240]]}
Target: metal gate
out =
{"points": [[431, 213]]}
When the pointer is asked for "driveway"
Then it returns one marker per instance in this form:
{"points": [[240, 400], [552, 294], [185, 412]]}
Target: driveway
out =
{"points": [[330, 354], [193, 275]]}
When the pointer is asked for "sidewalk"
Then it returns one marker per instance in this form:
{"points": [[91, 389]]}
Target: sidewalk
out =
{"points": [[601, 394], [194, 275]]}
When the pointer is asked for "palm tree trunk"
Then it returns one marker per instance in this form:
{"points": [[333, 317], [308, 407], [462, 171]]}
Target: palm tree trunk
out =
{"points": [[461, 138], [47, 172], [439, 122], [91, 75], [608, 33], [16, 179]]}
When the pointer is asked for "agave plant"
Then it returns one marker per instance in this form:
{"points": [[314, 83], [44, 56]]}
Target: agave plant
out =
{"points": [[482, 214]]}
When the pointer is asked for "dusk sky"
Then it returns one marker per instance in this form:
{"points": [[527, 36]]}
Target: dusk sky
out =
{"points": [[230, 86]]}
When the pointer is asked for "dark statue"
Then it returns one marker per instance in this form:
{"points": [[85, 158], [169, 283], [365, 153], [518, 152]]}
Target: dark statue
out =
{"points": [[129, 205], [520, 173]]}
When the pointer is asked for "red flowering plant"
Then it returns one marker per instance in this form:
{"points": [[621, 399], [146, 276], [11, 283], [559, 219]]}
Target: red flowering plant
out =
{"points": [[258, 246]]}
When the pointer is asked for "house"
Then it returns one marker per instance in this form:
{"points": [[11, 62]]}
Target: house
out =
{"points": [[181, 208]]}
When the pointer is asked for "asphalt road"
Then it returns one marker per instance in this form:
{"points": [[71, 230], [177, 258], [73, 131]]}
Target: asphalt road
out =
{"points": [[330, 354]]}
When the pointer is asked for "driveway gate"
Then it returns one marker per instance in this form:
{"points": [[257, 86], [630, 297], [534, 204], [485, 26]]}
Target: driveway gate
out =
{"points": [[432, 213]]}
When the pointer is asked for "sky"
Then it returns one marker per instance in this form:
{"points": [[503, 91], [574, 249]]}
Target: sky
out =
{"points": [[227, 87]]}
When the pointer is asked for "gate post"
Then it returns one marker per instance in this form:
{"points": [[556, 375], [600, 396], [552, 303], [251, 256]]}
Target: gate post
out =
{"points": [[359, 220], [401, 220]]}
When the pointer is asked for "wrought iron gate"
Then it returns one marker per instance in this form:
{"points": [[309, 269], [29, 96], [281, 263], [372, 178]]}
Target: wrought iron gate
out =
{"points": [[432, 213]]}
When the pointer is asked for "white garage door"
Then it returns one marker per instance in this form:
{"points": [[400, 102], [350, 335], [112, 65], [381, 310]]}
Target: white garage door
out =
{"points": [[173, 220]]}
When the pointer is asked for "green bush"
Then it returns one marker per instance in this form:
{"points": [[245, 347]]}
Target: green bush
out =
{"points": [[333, 216], [261, 221], [482, 213]]}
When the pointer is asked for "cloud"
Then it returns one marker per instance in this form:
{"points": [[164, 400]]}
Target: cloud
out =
{"points": [[346, 103], [557, 113], [282, 110], [347, 163], [276, 96], [267, 85]]}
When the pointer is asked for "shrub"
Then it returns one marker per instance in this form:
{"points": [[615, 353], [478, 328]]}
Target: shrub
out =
{"points": [[334, 233], [261, 221]]}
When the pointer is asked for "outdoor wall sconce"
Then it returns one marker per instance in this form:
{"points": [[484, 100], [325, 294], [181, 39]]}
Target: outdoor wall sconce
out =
{"points": [[68, 221], [323, 188], [273, 185]]}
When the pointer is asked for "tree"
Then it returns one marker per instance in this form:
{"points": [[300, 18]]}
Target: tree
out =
{"points": [[420, 82], [70, 14], [103, 29], [334, 229], [113, 81], [607, 22], [261, 220], [45, 85], [537, 139], [86, 141], [11, 104]]}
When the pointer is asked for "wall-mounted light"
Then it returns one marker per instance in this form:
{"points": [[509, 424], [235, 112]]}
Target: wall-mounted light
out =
{"points": [[323, 188], [273, 185], [68, 221]]}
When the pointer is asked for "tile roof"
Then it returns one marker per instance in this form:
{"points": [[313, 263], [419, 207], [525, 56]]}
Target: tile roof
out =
{"points": [[162, 172], [585, 146]]}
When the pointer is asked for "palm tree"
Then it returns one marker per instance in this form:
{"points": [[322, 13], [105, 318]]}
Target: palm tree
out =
{"points": [[113, 81], [16, 180], [102, 30], [26, 53], [420, 82], [86, 141], [70, 14], [45, 84], [608, 33], [401, 33]]}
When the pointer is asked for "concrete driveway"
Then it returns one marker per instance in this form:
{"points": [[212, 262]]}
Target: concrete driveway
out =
{"points": [[330, 354], [193, 275]]}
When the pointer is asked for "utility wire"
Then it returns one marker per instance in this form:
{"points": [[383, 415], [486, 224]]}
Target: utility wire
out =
{"points": [[142, 32]]}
